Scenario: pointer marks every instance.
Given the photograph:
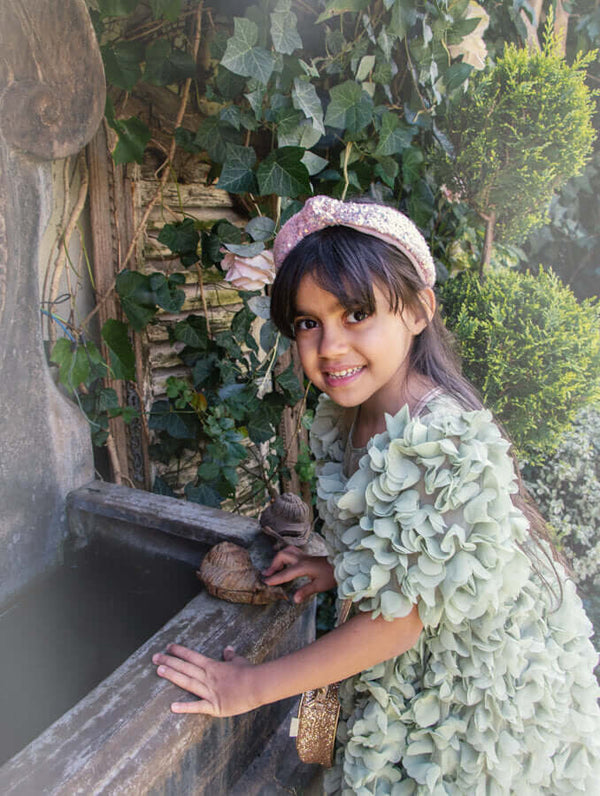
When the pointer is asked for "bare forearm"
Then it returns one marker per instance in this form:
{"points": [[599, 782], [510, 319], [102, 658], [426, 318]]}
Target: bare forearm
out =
{"points": [[235, 686], [358, 644]]}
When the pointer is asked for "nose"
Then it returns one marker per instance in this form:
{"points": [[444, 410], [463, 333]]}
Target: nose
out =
{"points": [[333, 341]]}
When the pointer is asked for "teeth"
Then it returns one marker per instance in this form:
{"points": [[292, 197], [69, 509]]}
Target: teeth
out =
{"points": [[340, 374]]}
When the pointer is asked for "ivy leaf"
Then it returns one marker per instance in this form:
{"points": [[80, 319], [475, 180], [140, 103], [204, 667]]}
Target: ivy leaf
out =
{"points": [[122, 63], [283, 28], [245, 249], [137, 298], [205, 370], [166, 291], [260, 306], [456, 75], [193, 331], [260, 427], [403, 17], [169, 9], [133, 137], [232, 114], [214, 135], [283, 173], [288, 381], [421, 204], [350, 109], [242, 57], [306, 99], [182, 238], [337, 7], [268, 336], [163, 417], [365, 66], [394, 136], [314, 163], [160, 487], [107, 400], [122, 359], [73, 363], [237, 175], [185, 139], [304, 135], [165, 65], [203, 494], [260, 228], [412, 162], [228, 84], [255, 99], [388, 169]]}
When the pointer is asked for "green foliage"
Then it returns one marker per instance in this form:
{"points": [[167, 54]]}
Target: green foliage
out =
{"points": [[341, 97], [529, 347], [523, 129], [218, 411], [566, 486]]}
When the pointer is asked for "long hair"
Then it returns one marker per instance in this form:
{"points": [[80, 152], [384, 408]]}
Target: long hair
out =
{"points": [[347, 263]]}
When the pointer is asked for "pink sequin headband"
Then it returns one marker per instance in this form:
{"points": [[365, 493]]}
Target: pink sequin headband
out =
{"points": [[380, 221]]}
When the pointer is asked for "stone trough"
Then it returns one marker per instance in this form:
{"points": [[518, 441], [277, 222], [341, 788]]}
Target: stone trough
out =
{"points": [[121, 736]]}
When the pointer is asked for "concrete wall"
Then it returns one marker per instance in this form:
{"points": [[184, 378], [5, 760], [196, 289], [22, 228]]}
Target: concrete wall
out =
{"points": [[51, 102]]}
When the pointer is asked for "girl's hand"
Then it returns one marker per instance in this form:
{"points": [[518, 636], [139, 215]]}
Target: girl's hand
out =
{"points": [[224, 688], [291, 563]]}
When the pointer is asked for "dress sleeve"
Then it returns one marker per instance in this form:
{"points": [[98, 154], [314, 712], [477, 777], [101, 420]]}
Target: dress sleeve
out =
{"points": [[434, 520]]}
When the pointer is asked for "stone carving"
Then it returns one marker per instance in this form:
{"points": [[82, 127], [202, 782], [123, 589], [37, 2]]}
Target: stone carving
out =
{"points": [[52, 97]]}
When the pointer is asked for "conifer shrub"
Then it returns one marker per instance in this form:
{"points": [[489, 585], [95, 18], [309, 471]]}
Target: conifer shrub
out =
{"points": [[522, 130], [531, 349]]}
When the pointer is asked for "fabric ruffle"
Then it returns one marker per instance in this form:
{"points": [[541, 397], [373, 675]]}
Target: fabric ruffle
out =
{"points": [[498, 695]]}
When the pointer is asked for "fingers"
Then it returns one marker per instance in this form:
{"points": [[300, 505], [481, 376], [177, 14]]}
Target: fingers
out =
{"points": [[199, 706], [289, 555], [305, 592], [285, 575]]}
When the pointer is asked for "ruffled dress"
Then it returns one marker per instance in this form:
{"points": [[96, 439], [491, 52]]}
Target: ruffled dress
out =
{"points": [[498, 696]]}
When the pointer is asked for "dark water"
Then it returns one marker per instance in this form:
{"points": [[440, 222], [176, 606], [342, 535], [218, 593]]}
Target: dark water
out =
{"points": [[75, 626]]}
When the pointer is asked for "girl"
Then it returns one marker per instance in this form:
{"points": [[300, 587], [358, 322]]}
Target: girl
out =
{"points": [[466, 663]]}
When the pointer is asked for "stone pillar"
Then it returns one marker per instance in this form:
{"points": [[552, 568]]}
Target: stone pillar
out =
{"points": [[52, 97]]}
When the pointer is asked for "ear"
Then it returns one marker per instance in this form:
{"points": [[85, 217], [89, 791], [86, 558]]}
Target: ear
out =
{"points": [[419, 318]]}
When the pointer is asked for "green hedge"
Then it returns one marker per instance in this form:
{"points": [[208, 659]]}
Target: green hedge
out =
{"points": [[530, 348]]}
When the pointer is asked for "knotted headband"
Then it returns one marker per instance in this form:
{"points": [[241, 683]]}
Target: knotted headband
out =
{"points": [[380, 221]]}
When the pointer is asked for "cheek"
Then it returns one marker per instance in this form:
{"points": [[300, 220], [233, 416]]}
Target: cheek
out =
{"points": [[305, 351]]}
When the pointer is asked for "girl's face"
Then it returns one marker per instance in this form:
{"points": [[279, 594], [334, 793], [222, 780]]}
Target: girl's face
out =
{"points": [[356, 358]]}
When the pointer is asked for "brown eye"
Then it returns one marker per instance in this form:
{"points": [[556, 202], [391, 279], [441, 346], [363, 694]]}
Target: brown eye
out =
{"points": [[356, 316], [304, 324]]}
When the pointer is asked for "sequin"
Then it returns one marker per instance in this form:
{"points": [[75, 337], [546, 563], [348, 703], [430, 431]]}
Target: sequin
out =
{"points": [[380, 221]]}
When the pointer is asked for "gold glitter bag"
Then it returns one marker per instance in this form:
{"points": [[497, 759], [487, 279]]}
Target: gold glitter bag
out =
{"points": [[317, 725], [318, 716]]}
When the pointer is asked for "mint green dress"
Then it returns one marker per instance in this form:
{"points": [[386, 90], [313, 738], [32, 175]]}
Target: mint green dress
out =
{"points": [[498, 696]]}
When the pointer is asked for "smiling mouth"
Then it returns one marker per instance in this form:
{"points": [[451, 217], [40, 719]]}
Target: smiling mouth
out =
{"points": [[343, 374]]}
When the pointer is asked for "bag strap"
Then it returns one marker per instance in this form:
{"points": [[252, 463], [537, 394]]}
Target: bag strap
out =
{"points": [[345, 607]]}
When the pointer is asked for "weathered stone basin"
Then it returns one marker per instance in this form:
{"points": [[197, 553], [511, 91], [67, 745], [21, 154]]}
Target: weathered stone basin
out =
{"points": [[121, 737]]}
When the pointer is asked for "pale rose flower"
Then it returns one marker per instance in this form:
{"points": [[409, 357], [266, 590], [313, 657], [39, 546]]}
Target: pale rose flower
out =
{"points": [[249, 273], [472, 47]]}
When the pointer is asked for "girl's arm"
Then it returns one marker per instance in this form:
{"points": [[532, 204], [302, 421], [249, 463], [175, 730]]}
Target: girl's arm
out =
{"points": [[235, 686]]}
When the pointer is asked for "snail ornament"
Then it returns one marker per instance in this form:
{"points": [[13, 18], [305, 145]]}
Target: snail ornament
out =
{"points": [[287, 521], [228, 573]]}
